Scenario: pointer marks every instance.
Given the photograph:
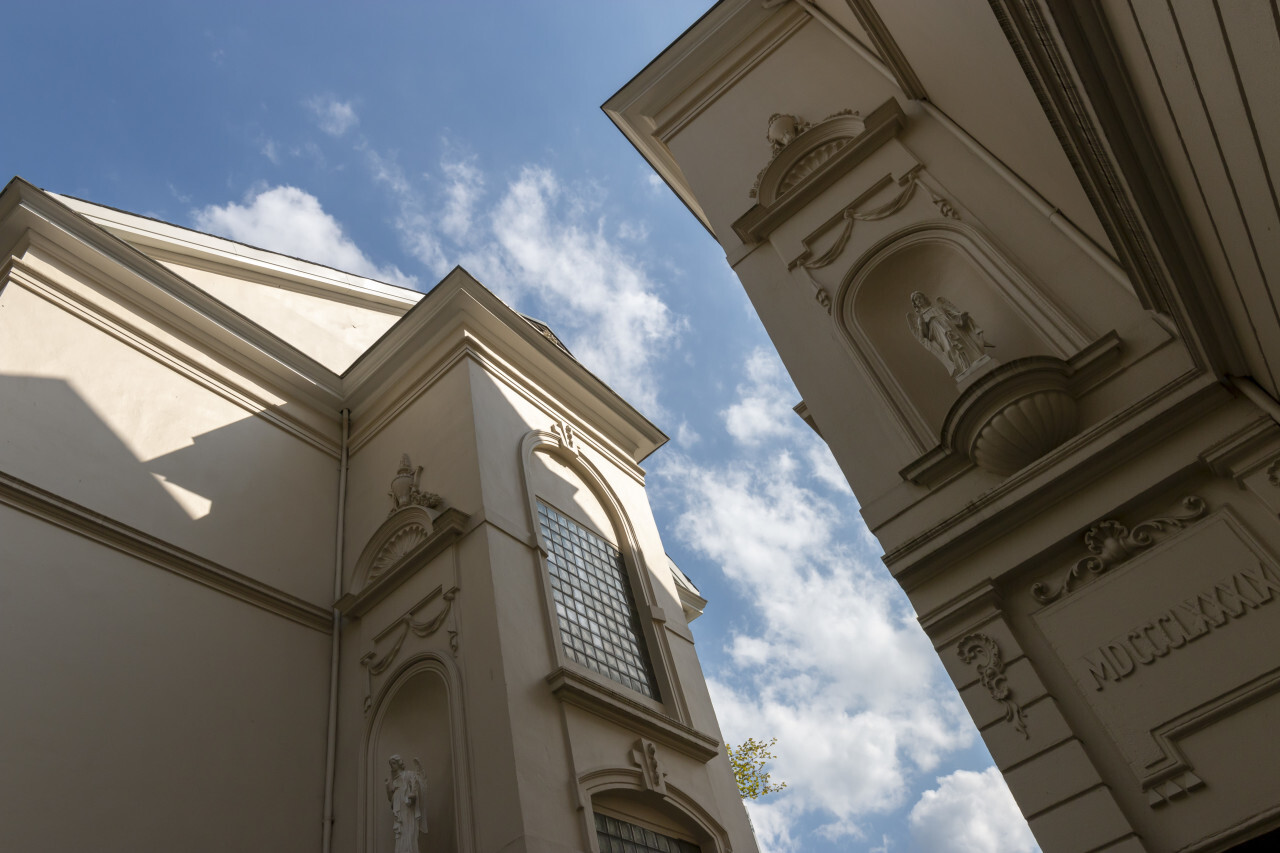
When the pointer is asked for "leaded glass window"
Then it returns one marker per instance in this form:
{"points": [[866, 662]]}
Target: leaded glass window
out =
{"points": [[618, 836], [597, 615]]}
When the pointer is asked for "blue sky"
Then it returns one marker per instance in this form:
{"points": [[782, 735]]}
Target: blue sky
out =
{"points": [[397, 139]]}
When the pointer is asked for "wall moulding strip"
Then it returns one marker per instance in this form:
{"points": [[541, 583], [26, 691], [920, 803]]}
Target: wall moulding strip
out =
{"points": [[582, 691], [70, 516]]}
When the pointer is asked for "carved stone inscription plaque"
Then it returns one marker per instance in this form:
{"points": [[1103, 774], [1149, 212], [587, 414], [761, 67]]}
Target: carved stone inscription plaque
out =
{"points": [[1172, 641]]}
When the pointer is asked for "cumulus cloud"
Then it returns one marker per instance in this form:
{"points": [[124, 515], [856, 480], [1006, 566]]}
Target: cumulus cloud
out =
{"points": [[970, 813], [292, 222], [334, 117], [761, 410], [597, 295], [831, 660], [545, 248]]}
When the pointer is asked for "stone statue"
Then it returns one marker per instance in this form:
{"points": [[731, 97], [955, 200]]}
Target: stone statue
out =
{"points": [[404, 790], [949, 333]]}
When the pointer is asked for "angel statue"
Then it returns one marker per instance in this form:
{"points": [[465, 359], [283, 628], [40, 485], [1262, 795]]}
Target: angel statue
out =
{"points": [[404, 790], [949, 333]]}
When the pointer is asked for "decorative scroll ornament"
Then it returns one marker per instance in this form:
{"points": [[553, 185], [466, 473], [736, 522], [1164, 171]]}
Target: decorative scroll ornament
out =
{"points": [[983, 650], [952, 336], [945, 207], [785, 129], [645, 756], [400, 629], [1110, 543], [404, 488]]}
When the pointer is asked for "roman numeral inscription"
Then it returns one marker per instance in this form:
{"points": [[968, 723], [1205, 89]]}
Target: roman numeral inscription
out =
{"points": [[1185, 622]]}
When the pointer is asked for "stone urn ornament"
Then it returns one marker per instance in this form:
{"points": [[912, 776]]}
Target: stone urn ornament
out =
{"points": [[405, 491]]}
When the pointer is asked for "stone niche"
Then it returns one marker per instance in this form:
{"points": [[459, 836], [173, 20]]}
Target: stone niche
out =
{"points": [[1016, 401], [413, 721]]}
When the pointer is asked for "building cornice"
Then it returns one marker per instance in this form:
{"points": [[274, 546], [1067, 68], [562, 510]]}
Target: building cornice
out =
{"points": [[460, 317], [87, 270]]}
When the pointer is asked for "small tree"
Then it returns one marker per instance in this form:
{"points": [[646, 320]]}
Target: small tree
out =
{"points": [[748, 761]]}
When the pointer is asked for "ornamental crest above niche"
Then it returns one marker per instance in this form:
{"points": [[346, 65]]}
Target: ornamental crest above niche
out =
{"points": [[806, 158], [834, 133], [410, 523]]}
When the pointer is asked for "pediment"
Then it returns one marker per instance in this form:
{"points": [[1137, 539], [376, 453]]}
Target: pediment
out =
{"points": [[393, 542], [801, 148], [808, 158], [410, 538]]}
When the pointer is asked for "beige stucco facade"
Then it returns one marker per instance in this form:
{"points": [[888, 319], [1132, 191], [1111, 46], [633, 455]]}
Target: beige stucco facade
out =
{"points": [[1019, 258], [266, 525]]}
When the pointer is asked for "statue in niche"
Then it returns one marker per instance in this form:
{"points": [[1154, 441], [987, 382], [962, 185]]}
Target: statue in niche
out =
{"points": [[404, 790], [949, 333]]}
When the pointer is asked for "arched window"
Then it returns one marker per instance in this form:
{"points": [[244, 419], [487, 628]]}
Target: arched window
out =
{"points": [[620, 836], [595, 609]]}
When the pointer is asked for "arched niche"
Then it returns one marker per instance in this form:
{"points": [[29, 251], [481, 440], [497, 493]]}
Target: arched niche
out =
{"points": [[623, 793], [954, 262], [418, 716]]}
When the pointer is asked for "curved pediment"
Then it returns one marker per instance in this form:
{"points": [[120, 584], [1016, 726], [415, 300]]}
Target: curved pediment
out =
{"points": [[407, 541], [809, 158], [800, 149], [394, 542]]}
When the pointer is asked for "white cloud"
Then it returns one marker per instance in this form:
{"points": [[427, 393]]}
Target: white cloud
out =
{"points": [[686, 435], [825, 468], [411, 222], [598, 297], [653, 182], [291, 221], [835, 667], [271, 151], [334, 117], [463, 189], [970, 813], [761, 411], [636, 232], [830, 660], [541, 246]]}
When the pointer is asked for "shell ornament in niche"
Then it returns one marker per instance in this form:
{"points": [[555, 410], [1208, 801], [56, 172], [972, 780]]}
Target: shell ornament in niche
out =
{"points": [[1025, 430], [1013, 414]]}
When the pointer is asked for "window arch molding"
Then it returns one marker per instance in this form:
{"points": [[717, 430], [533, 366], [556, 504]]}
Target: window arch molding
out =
{"points": [[960, 257], [605, 780], [563, 445], [425, 665]]}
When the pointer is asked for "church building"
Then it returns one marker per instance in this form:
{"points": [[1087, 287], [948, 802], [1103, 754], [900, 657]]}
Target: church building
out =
{"points": [[1020, 258], [294, 560]]}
